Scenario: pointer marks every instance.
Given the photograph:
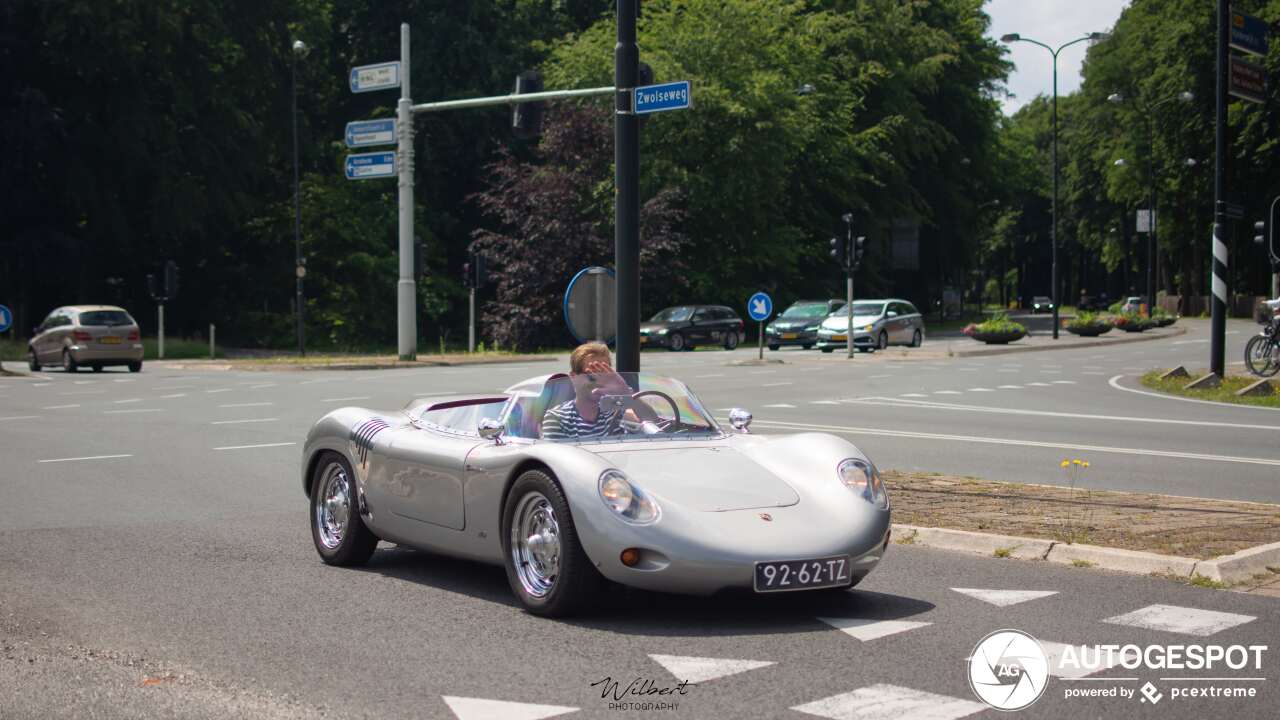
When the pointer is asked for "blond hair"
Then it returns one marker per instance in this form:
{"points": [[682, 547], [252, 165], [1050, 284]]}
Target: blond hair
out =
{"points": [[584, 352]]}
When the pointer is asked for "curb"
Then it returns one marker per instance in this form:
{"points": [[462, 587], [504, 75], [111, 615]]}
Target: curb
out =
{"points": [[1236, 568], [1142, 337], [397, 365]]}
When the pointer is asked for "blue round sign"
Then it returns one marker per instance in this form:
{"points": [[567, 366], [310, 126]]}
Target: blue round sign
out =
{"points": [[6, 318], [760, 306]]}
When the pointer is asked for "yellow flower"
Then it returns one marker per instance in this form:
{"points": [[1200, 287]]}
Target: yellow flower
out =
{"points": [[1085, 463], [1066, 463], [1076, 461]]}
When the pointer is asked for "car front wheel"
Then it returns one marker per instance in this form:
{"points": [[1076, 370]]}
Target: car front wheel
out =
{"points": [[135, 366], [546, 566], [33, 363], [337, 529], [68, 362], [730, 340], [675, 342], [917, 339]]}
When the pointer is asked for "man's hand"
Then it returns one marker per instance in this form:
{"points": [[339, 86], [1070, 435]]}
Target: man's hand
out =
{"points": [[607, 382]]}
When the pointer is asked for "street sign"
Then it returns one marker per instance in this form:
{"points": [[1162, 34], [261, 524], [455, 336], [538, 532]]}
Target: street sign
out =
{"points": [[1248, 80], [1248, 34], [1143, 221], [6, 318], [760, 307], [381, 76], [591, 305], [371, 165], [366, 133], [660, 98]]}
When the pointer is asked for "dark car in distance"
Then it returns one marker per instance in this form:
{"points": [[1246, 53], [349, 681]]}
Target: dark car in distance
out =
{"points": [[684, 327], [798, 324]]}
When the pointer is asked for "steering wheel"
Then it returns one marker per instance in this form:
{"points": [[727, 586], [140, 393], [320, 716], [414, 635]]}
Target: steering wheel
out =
{"points": [[674, 422]]}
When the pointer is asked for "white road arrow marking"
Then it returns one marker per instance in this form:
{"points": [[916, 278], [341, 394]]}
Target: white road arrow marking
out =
{"points": [[1004, 598], [482, 709], [1185, 620], [864, 629], [883, 701], [702, 669]]}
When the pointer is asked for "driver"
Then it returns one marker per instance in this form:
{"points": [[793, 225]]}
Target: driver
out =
{"points": [[592, 375]]}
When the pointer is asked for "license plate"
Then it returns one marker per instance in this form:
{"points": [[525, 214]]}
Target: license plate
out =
{"points": [[643, 339], [838, 338], [786, 575], [109, 340], [789, 336]]}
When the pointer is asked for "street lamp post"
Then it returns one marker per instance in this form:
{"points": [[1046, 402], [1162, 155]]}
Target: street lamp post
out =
{"points": [[1015, 37], [1148, 113], [299, 51]]}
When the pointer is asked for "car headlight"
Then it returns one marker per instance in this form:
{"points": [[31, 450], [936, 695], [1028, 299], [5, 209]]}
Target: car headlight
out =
{"points": [[862, 477], [811, 328], [869, 328], [661, 331], [626, 500]]}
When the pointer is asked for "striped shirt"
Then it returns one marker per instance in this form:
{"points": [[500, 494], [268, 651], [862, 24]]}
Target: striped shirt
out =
{"points": [[563, 422]]}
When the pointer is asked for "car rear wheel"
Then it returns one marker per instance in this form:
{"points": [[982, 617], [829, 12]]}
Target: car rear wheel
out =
{"points": [[546, 566], [917, 339], [883, 341], [337, 529], [774, 348], [33, 363], [807, 346], [135, 366], [827, 349], [675, 342], [97, 368], [731, 340], [68, 362]]}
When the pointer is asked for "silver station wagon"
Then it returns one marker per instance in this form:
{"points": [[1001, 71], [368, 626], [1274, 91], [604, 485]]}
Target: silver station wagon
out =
{"points": [[877, 324], [86, 335]]}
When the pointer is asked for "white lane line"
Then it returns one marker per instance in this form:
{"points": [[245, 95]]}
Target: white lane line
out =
{"points": [[219, 390], [968, 369], [885, 432], [341, 399], [176, 387], [249, 447], [84, 392], [136, 410], [1038, 384], [1189, 342], [946, 392], [1052, 372], [824, 402], [1092, 372], [43, 384], [239, 405], [259, 387], [237, 422], [777, 384], [435, 394], [123, 380], [59, 407], [1064, 382], [1008, 371], [698, 377], [319, 380], [19, 417], [779, 405], [762, 372], [1112, 382], [877, 377], [83, 382], [981, 390], [914, 395], [890, 402], [174, 395], [89, 457], [1010, 387], [126, 402]]}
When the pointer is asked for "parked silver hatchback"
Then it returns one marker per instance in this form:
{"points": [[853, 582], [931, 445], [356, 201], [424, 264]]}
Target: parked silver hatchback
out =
{"points": [[877, 324], [86, 335]]}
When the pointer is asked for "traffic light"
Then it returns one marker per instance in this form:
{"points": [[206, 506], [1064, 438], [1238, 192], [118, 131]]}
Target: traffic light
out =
{"points": [[467, 277], [477, 262], [526, 118], [1260, 227], [840, 251], [152, 289], [859, 247], [170, 280]]}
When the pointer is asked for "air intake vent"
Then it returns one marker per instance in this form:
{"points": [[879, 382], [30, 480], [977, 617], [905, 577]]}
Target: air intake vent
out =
{"points": [[362, 435]]}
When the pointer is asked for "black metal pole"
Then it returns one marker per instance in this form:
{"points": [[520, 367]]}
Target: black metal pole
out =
{"points": [[1217, 347], [626, 57], [1151, 218], [1054, 234], [297, 209]]}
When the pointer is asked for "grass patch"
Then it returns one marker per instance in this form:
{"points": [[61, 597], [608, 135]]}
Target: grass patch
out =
{"points": [[13, 349], [1078, 562], [1201, 581], [1225, 393], [1003, 552], [907, 539], [175, 349]]}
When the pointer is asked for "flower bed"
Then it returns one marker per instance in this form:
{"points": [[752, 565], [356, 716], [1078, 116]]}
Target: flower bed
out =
{"points": [[999, 330], [1132, 322], [1088, 325]]}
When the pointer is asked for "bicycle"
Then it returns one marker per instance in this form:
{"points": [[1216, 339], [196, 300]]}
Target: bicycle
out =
{"points": [[1262, 353]]}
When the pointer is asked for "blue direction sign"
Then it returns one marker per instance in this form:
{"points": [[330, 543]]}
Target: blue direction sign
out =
{"points": [[381, 76], [6, 318], [371, 165], [371, 132], [660, 98], [760, 307], [1248, 33]]}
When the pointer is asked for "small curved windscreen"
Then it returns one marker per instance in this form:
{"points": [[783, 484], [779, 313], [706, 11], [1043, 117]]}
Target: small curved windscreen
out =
{"points": [[673, 314], [109, 318], [606, 407]]}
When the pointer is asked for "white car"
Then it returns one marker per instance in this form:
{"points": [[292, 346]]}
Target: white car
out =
{"points": [[877, 324]]}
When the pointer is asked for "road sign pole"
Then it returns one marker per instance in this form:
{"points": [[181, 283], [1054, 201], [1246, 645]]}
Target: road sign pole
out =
{"points": [[760, 340], [848, 291], [160, 310], [406, 289], [626, 133], [471, 323], [1218, 329]]}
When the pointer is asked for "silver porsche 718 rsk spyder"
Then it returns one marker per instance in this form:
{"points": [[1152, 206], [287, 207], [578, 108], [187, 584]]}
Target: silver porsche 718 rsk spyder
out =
{"points": [[663, 499]]}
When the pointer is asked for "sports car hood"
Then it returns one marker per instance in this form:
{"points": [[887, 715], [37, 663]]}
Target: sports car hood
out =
{"points": [[709, 479]]}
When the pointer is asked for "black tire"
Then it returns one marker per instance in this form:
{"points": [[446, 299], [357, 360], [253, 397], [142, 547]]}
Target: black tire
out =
{"points": [[882, 341], [575, 580], [68, 362], [917, 339], [865, 349], [774, 348], [1260, 356], [807, 346], [135, 366], [675, 342], [827, 349], [97, 368], [354, 541], [731, 340], [33, 364]]}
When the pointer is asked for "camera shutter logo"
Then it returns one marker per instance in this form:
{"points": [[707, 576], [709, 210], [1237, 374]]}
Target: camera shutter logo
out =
{"points": [[1008, 670]]}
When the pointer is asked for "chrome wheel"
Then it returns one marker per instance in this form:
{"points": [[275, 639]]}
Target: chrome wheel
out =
{"points": [[333, 507], [535, 544]]}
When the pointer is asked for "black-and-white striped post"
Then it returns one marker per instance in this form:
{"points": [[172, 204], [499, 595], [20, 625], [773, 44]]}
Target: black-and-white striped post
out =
{"points": [[1219, 286], [1218, 329]]}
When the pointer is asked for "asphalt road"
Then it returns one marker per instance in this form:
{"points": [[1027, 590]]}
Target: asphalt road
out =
{"points": [[157, 561]]}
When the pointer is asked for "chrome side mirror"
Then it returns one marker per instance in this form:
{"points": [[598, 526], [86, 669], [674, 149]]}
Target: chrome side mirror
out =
{"points": [[491, 429], [740, 419]]}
